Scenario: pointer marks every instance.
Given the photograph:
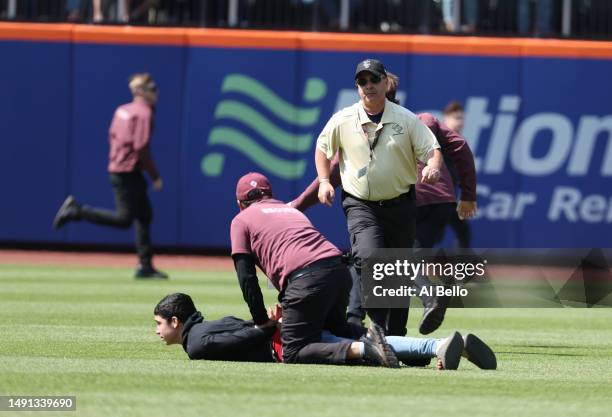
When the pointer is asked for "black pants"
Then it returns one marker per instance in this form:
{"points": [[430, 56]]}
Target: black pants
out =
{"points": [[371, 225], [431, 223], [133, 206], [462, 230], [313, 303]]}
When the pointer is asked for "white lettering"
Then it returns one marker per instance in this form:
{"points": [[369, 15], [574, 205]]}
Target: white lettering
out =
{"points": [[500, 138], [501, 205], [521, 201], [571, 148], [279, 210], [476, 119], [568, 203], [588, 130], [593, 209], [521, 156], [426, 291], [564, 200]]}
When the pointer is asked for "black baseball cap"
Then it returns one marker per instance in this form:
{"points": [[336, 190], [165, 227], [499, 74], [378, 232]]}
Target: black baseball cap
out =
{"points": [[371, 65]]}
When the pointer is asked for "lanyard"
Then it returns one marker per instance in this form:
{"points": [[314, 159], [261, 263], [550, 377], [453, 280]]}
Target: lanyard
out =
{"points": [[373, 143]]}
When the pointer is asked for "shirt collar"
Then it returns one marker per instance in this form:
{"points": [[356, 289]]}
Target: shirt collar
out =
{"points": [[363, 117]]}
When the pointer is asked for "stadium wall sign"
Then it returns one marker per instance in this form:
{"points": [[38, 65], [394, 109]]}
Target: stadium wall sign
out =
{"points": [[538, 118]]}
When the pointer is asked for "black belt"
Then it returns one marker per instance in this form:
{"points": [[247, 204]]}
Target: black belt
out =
{"points": [[386, 203], [326, 263]]}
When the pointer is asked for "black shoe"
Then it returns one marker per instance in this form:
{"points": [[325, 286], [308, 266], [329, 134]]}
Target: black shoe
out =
{"points": [[449, 351], [149, 273], [433, 315], [377, 350], [417, 362], [478, 352], [355, 321], [68, 211]]}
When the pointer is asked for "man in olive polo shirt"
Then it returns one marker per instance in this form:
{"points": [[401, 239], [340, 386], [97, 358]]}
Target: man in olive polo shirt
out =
{"points": [[379, 144]]}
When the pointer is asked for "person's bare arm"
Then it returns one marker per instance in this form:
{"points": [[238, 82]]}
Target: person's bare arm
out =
{"points": [[326, 190]]}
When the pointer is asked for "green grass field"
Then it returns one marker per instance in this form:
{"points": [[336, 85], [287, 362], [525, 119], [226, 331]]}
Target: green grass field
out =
{"points": [[89, 332]]}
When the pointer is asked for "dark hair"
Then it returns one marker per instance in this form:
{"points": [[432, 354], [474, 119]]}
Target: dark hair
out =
{"points": [[392, 87], [177, 305], [255, 195], [452, 107]]}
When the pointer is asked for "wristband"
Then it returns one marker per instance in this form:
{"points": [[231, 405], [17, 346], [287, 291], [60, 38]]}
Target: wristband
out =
{"points": [[322, 180]]}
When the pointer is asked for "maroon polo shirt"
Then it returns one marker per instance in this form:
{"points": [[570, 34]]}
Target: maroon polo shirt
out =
{"points": [[129, 136], [455, 147], [452, 145], [280, 238]]}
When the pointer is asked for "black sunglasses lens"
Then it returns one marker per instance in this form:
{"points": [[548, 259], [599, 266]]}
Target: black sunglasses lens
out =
{"points": [[364, 81]]}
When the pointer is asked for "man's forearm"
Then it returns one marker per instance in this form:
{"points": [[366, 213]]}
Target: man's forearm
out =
{"points": [[247, 277], [309, 197], [435, 159], [322, 164]]}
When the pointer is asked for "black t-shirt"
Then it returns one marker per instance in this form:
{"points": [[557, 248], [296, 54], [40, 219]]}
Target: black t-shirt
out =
{"points": [[375, 118]]}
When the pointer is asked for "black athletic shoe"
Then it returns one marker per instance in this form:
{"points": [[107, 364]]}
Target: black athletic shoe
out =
{"points": [[149, 273], [417, 362], [377, 349], [433, 315], [355, 321], [67, 211], [449, 351], [478, 352]]}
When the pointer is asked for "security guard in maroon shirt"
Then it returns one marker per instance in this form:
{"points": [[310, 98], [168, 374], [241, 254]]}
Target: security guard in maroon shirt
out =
{"points": [[129, 136], [308, 272]]}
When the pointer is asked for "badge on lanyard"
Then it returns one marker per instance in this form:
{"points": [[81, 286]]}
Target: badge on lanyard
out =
{"points": [[362, 171]]}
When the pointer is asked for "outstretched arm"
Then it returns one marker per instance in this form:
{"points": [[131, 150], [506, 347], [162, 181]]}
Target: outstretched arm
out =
{"points": [[310, 196], [247, 277], [455, 147]]}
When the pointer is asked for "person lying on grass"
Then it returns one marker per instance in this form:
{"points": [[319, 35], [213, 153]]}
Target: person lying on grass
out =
{"points": [[234, 339]]}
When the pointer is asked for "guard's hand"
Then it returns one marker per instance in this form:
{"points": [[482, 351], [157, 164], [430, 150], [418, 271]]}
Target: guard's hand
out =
{"points": [[158, 184], [430, 175], [466, 209], [326, 193], [275, 313]]}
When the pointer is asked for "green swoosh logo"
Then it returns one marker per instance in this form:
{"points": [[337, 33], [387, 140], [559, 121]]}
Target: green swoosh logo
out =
{"points": [[212, 164], [250, 117], [315, 90]]}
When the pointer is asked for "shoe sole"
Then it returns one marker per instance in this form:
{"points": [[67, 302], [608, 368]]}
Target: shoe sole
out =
{"points": [[451, 354], [479, 353], [67, 202], [433, 318], [377, 335]]}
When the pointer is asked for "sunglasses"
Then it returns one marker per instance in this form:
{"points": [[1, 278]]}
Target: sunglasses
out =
{"points": [[375, 79]]}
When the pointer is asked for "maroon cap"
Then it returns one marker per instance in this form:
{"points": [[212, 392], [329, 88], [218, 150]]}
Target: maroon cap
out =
{"points": [[252, 181]]}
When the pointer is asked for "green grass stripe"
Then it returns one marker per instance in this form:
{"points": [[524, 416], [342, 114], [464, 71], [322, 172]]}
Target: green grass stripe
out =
{"points": [[89, 332]]}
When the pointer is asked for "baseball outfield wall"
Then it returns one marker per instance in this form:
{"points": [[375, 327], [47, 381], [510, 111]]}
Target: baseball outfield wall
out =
{"points": [[539, 120]]}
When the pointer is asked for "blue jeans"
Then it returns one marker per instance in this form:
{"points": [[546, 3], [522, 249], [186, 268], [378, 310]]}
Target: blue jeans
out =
{"points": [[543, 16], [405, 347]]}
